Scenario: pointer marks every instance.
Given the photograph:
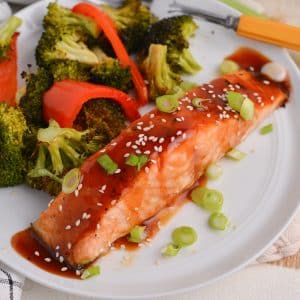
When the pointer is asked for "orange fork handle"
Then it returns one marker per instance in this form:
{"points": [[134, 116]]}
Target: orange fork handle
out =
{"points": [[269, 31]]}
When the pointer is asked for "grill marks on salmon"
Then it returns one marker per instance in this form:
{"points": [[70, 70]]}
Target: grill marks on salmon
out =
{"points": [[83, 225]]}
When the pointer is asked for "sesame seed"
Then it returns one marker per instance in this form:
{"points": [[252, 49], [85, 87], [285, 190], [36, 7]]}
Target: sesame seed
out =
{"points": [[178, 119], [113, 202], [203, 89], [255, 94], [267, 82], [113, 144], [147, 152], [77, 223], [147, 170], [57, 247], [152, 116], [189, 107], [161, 140], [153, 161], [172, 139], [99, 204], [251, 68], [128, 144], [88, 216], [56, 254], [138, 151], [126, 155], [139, 127], [134, 146], [211, 86], [68, 227], [184, 136], [37, 253], [208, 115], [136, 208], [80, 186], [210, 92], [98, 226], [47, 259], [214, 96], [220, 107], [69, 246], [147, 128], [164, 120], [122, 246], [262, 104], [61, 259], [179, 132], [140, 135], [140, 123], [237, 86], [60, 208], [77, 272], [51, 201], [272, 98], [76, 192], [64, 269]]}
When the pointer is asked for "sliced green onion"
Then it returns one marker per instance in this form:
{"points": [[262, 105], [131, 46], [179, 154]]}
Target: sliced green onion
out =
{"points": [[213, 171], [208, 199], [184, 236], [228, 66], [90, 272], [235, 100], [137, 160], [235, 154], [171, 250], [198, 103], [247, 109], [107, 164], [266, 129], [137, 234], [167, 103], [71, 181], [218, 221]]}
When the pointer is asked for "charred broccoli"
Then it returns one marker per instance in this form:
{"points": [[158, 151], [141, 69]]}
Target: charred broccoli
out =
{"points": [[174, 32], [161, 79], [6, 34], [132, 20], [31, 103], [12, 130]]}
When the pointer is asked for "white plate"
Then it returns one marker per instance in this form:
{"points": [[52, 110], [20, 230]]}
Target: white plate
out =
{"points": [[261, 192]]}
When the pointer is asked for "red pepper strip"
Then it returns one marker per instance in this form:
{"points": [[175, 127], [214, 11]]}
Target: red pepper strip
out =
{"points": [[105, 23], [8, 74], [63, 101]]}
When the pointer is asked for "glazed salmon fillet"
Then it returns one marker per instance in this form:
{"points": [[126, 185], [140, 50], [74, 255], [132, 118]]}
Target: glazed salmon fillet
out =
{"points": [[82, 226]]}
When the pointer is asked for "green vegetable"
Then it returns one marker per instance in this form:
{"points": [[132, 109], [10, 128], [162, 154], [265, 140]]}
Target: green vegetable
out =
{"points": [[184, 236], [13, 129], [174, 32], [132, 20], [170, 250], [162, 80], [137, 234], [213, 171], [218, 221], [71, 181], [266, 129], [228, 66], [198, 103], [235, 154], [167, 103], [137, 160], [208, 199], [235, 100], [6, 34], [90, 272], [107, 164], [247, 109]]}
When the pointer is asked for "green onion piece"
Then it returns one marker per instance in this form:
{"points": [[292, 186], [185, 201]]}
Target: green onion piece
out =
{"points": [[213, 171], [235, 100], [137, 161], [247, 109], [197, 103], [170, 250], [208, 199], [90, 272], [167, 103], [137, 234], [107, 164], [71, 181], [218, 221], [228, 66], [184, 236], [235, 154], [266, 129]]}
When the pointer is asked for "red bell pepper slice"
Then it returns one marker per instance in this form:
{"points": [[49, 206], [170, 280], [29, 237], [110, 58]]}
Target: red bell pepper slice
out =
{"points": [[105, 23], [8, 74], [63, 101]]}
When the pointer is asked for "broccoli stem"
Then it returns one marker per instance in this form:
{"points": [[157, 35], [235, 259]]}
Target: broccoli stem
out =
{"points": [[188, 63], [56, 159], [73, 155], [9, 29]]}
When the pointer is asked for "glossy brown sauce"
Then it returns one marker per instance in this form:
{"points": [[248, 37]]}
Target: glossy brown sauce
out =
{"points": [[94, 177]]}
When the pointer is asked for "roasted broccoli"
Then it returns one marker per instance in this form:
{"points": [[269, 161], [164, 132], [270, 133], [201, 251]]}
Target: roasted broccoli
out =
{"points": [[132, 20], [174, 32], [6, 34], [161, 79], [12, 130], [31, 103]]}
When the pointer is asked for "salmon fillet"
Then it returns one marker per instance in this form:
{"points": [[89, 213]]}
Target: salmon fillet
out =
{"points": [[83, 225]]}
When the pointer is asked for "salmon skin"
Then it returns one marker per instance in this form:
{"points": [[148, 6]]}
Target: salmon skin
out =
{"points": [[82, 226]]}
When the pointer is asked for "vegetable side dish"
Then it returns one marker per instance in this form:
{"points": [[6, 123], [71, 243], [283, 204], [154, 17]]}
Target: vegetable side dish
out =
{"points": [[69, 134]]}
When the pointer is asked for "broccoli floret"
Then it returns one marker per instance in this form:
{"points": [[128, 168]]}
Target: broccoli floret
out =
{"points": [[58, 151], [132, 20], [161, 79], [59, 16], [174, 32], [31, 103], [12, 130], [6, 34], [63, 44]]}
